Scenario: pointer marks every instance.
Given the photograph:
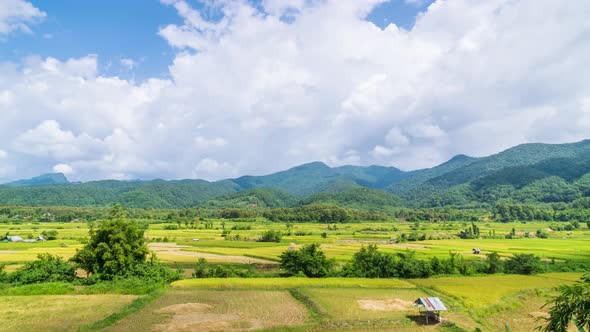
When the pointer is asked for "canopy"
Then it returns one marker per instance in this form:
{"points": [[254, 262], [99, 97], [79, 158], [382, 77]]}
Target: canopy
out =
{"points": [[431, 303]]}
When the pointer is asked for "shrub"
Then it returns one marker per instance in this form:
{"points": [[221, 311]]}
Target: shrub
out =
{"points": [[50, 235], [271, 236], [370, 263], [494, 264], [542, 235], [310, 261], [48, 268], [205, 270], [523, 264]]}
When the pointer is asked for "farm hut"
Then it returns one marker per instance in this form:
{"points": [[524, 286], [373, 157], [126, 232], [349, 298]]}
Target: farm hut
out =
{"points": [[430, 307], [14, 238]]}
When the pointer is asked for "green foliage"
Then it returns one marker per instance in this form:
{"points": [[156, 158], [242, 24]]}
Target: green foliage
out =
{"points": [[368, 262], [309, 260], [47, 268], [50, 235], [205, 270], [114, 248], [271, 236], [571, 305], [494, 263], [523, 264]]}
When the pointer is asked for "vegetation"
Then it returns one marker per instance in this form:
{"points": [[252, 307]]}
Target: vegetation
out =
{"points": [[572, 305], [114, 248], [308, 260]]}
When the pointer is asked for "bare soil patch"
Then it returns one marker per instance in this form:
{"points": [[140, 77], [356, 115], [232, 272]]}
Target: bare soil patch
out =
{"points": [[199, 317], [539, 314], [385, 305]]}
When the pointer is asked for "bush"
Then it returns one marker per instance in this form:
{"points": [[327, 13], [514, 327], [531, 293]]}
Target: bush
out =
{"points": [[310, 261], [50, 235], [271, 236], [48, 268], [205, 270], [541, 235], [494, 263], [523, 264], [370, 263]]}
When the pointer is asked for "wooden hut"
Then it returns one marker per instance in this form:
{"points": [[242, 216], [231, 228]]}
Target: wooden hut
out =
{"points": [[430, 307]]}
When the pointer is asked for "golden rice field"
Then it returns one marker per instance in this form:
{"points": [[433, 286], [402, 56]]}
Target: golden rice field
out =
{"points": [[57, 312], [301, 304]]}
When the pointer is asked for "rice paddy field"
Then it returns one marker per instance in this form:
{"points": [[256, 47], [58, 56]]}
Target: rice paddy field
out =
{"points": [[297, 304]]}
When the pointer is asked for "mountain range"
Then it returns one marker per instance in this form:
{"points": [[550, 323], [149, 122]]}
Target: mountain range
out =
{"points": [[527, 173]]}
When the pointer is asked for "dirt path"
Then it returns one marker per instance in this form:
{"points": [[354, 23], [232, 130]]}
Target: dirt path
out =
{"points": [[177, 250]]}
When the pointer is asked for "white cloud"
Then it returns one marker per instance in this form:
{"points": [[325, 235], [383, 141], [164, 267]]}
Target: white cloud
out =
{"points": [[63, 168], [128, 63], [17, 15], [251, 92], [3, 154]]}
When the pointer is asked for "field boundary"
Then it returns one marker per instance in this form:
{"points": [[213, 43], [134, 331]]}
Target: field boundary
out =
{"points": [[127, 310]]}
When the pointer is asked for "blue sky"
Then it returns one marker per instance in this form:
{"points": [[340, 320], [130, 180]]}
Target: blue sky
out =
{"points": [[173, 89], [128, 29]]}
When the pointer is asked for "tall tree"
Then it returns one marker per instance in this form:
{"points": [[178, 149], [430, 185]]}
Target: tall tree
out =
{"points": [[114, 247]]}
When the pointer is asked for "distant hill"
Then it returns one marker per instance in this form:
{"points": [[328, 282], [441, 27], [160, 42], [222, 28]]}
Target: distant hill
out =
{"points": [[252, 198], [533, 173], [358, 198], [316, 177], [41, 180], [509, 170]]}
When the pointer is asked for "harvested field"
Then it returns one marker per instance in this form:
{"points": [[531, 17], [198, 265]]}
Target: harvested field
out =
{"points": [[173, 252], [57, 312], [385, 305], [284, 283], [203, 310]]}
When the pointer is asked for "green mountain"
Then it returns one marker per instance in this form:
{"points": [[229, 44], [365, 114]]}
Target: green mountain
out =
{"points": [[316, 177], [41, 180], [530, 173], [358, 198], [141, 194], [510, 170], [252, 198]]}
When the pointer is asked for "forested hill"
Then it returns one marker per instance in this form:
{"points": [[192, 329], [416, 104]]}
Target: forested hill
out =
{"points": [[528, 173]]}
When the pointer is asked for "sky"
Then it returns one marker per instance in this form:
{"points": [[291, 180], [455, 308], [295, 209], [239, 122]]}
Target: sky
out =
{"points": [[211, 89]]}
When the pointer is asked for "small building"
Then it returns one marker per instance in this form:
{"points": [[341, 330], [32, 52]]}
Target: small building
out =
{"points": [[14, 238], [430, 307]]}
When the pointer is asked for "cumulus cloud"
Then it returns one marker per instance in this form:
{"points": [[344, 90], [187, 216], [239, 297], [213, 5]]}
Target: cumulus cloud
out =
{"points": [[257, 89], [63, 168], [17, 15]]}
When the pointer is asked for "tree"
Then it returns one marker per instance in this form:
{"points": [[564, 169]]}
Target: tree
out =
{"points": [[368, 262], [523, 264], [494, 264], [271, 236], [310, 260], [114, 247], [572, 305]]}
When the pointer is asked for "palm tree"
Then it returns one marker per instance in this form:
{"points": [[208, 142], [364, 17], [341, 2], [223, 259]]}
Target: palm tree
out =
{"points": [[572, 305]]}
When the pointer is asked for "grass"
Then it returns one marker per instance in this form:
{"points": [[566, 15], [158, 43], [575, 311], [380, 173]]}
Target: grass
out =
{"points": [[136, 305], [57, 312], [285, 283], [205, 310], [482, 291]]}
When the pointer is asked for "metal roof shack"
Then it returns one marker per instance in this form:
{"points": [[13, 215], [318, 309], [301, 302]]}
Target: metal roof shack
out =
{"points": [[430, 307]]}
